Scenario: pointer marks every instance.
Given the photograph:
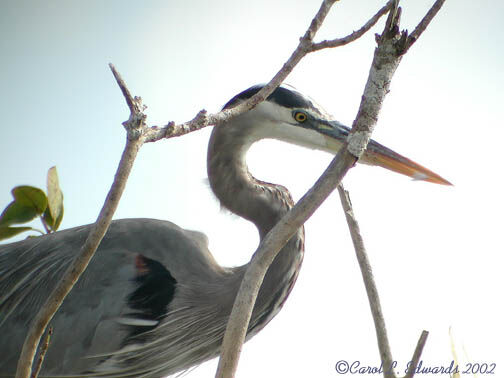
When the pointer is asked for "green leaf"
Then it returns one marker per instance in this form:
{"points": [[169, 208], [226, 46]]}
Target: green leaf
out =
{"points": [[8, 232], [47, 218], [30, 196], [17, 213], [59, 219], [55, 199]]}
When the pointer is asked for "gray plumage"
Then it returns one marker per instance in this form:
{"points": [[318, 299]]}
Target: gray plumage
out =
{"points": [[153, 301], [96, 331]]}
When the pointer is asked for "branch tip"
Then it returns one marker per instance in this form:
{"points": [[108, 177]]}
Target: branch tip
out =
{"points": [[354, 35], [422, 25], [124, 89], [417, 354]]}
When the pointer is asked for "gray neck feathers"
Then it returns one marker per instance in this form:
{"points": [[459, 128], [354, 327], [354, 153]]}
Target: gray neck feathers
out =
{"points": [[261, 203], [257, 201]]}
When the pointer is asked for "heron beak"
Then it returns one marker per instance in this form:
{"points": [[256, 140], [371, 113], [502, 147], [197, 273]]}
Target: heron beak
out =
{"points": [[376, 154]]}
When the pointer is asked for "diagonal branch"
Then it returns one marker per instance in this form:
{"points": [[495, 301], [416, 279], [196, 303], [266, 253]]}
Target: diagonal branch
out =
{"points": [[373, 297], [382, 69], [43, 351], [371, 290], [304, 47], [124, 89], [356, 34], [416, 355], [386, 59], [138, 133], [53, 302], [420, 28], [265, 254]]}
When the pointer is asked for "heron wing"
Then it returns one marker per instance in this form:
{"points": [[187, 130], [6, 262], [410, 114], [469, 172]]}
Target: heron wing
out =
{"points": [[119, 295]]}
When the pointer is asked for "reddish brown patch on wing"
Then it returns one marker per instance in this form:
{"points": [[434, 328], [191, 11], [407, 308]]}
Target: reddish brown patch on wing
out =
{"points": [[141, 265]]}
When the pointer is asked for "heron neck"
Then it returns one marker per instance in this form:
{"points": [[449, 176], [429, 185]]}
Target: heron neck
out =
{"points": [[260, 202]]}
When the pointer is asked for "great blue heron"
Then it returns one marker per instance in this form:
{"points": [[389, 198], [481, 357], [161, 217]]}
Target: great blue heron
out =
{"points": [[153, 301]]}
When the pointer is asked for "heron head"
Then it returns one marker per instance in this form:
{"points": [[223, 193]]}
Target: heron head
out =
{"points": [[290, 116]]}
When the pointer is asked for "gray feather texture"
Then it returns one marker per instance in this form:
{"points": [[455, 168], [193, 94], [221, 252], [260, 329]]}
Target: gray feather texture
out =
{"points": [[153, 301]]}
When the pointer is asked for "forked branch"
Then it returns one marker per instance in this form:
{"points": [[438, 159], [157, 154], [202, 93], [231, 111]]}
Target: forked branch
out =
{"points": [[386, 59], [134, 141], [305, 46], [138, 133]]}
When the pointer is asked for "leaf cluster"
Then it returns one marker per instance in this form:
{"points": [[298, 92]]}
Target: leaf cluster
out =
{"points": [[31, 202]]}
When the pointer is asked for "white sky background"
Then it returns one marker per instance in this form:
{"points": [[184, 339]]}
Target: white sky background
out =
{"points": [[436, 251]]}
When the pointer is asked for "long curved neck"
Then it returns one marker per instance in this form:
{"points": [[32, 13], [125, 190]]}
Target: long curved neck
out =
{"points": [[261, 203], [257, 201]]}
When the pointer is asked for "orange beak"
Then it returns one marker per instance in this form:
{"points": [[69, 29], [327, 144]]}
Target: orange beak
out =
{"points": [[376, 154]]}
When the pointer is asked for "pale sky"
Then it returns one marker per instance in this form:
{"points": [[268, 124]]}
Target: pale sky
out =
{"points": [[436, 251]]}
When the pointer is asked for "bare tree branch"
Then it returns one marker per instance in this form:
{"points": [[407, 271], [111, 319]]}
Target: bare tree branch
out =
{"points": [[138, 133], [420, 28], [371, 290], [43, 351], [304, 47], [72, 274], [386, 59], [124, 89], [356, 34], [265, 254], [203, 119], [416, 355], [373, 297], [375, 91]]}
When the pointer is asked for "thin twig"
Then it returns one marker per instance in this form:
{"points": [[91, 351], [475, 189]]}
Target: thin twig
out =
{"points": [[98, 230], [337, 42], [376, 88], [420, 28], [394, 45], [416, 355], [124, 89], [304, 47], [43, 351], [373, 297], [369, 283]]}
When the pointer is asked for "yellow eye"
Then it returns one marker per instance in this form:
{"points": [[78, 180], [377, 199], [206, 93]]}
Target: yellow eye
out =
{"points": [[300, 117]]}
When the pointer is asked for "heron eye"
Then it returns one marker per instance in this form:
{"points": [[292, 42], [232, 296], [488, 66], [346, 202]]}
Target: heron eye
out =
{"points": [[300, 117]]}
